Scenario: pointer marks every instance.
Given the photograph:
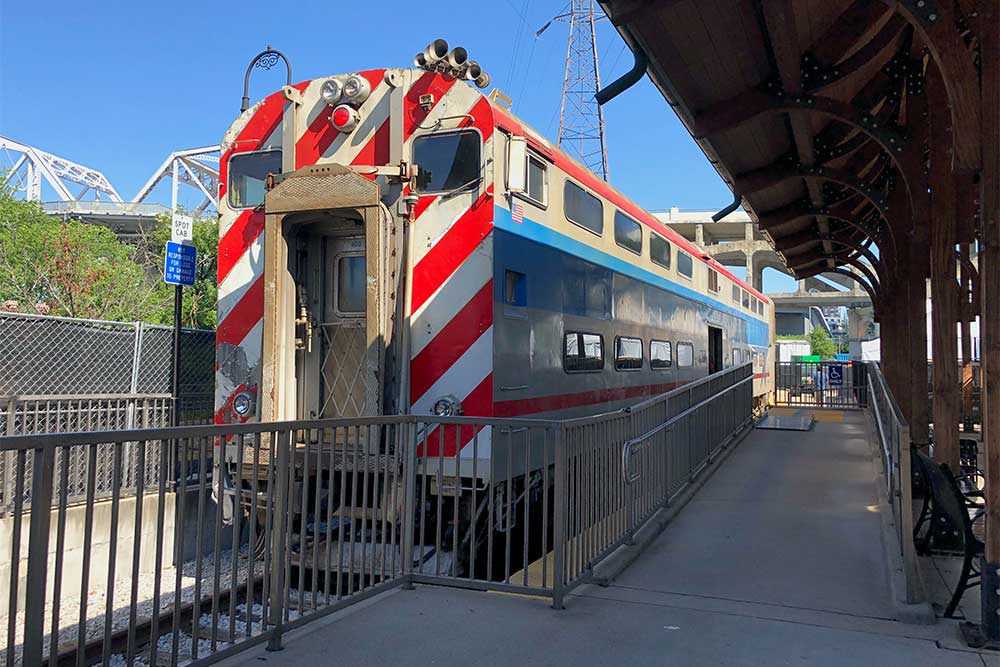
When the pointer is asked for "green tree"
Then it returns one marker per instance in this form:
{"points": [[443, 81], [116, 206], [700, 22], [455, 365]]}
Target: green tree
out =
{"points": [[66, 267], [821, 344]]}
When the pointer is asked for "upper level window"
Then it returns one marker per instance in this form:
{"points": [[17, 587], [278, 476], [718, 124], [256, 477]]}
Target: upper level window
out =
{"points": [[628, 233], [685, 355], [583, 208], [685, 266], [736, 293], [628, 354], [659, 354], [247, 173], [713, 280], [659, 250], [536, 180], [746, 299], [583, 352], [446, 161]]}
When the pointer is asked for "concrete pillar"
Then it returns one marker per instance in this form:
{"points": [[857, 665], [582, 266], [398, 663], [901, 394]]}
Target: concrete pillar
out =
{"points": [[802, 286], [699, 234]]}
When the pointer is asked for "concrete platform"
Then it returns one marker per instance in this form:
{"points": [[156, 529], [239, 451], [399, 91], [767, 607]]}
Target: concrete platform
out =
{"points": [[776, 561]]}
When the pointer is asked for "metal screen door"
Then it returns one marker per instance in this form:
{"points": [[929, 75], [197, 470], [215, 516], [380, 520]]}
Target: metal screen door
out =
{"points": [[343, 329]]}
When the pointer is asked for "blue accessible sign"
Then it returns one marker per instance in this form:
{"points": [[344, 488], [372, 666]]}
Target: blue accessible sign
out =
{"points": [[179, 266], [836, 376]]}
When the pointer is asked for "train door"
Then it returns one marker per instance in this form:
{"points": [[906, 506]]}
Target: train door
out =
{"points": [[331, 274], [714, 350]]}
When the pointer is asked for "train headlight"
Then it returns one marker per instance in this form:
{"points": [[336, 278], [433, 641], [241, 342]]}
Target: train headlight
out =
{"points": [[447, 406], [344, 118], [332, 91], [356, 89], [242, 403]]}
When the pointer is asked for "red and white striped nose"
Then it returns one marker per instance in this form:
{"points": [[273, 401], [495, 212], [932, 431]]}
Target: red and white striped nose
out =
{"points": [[345, 118]]}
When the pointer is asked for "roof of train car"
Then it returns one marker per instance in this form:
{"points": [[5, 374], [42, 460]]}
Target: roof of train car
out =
{"points": [[508, 121]]}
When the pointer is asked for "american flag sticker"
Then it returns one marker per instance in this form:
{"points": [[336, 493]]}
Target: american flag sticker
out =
{"points": [[517, 213]]}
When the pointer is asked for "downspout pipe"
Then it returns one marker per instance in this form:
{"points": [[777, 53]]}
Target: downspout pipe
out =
{"points": [[629, 78], [737, 202]]}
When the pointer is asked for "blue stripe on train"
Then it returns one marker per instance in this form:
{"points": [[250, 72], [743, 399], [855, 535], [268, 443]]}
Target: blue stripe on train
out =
{"points": [[757, 331]]}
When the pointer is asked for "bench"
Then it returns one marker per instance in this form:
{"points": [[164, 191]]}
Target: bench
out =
{"points": [[950, 524]]}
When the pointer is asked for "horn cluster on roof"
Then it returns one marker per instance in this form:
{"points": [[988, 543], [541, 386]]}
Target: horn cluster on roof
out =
{"points": [[455, 63]]}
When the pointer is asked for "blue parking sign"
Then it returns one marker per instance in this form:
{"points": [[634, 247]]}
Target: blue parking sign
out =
{"points": [[179, 266], [836, 376]]}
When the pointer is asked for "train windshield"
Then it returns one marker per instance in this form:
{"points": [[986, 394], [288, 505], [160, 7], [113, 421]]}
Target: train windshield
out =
{"points": [[247, 173], [446, 161]]}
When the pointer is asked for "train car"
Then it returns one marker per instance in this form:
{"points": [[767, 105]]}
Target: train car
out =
{"points": [[396, 241]]}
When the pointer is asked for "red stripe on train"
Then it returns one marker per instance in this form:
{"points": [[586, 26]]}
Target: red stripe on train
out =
{"points": [[451, 342], [524, 406], [238, 239], [452, 250], [429, 83], [479, 403], [243, 317]]}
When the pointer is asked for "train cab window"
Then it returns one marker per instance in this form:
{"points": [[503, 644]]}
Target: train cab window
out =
{"points": [[685, 355], [713, 280], [536, 180], [685, 265], [628, 233], [583, 208], [746, 299], [446, 161], [660, 355], [628, 354], [247, 173], [659, 250], [736, 294], [583, 352], [351, 282]]}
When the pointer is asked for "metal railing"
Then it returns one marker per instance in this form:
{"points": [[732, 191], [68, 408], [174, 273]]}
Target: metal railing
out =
{"points": [[329, 512], [893, 435], [824, 384], [618, 470]]}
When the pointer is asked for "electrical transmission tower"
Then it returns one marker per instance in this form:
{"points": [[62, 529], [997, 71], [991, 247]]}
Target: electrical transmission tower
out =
{"points": [[581, 120]]}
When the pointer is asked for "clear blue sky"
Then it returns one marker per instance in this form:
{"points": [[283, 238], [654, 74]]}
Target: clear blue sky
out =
{"points": [[117, 86]]}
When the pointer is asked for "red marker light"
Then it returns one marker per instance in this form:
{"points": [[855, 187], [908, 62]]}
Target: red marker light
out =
{"points": [[344, 118]]}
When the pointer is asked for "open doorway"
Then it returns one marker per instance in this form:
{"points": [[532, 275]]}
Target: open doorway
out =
{"points": [[714, 350]]}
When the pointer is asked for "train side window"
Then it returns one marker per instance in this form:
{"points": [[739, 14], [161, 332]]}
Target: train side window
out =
{"points": [[583, 352], [736, 356], [583, 208], [746, 299], [736, 294], [659, 250], [685, 355], [628, 354], [713, 280], [446, 161], [685, 265], [537, 178], [515, 289], [660, 356], [247, 173], [628, 233]]}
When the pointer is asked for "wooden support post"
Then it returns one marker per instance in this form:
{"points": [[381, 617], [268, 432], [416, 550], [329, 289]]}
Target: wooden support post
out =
{"points": [[989, 313], [916, 335], [944, 286], [967, 316]]}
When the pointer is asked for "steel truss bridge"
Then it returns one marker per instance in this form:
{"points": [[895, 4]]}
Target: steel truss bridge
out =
{"points": [[24, 169]]}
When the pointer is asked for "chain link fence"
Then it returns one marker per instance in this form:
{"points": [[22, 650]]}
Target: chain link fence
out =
{"points": [[62, 375]]}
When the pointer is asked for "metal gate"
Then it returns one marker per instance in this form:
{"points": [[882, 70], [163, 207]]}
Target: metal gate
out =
{"points": [[821, 384]]}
